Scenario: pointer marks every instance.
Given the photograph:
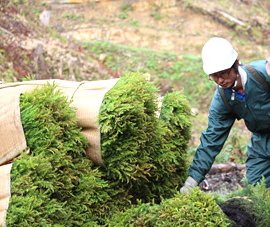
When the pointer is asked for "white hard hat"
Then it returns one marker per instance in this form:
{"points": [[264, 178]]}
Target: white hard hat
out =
{"points": [[217, 55]]}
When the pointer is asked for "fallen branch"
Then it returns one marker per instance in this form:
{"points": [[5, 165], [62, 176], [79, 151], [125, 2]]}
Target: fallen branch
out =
{"points": [[6, 31], [226, 167], [231, 18]]}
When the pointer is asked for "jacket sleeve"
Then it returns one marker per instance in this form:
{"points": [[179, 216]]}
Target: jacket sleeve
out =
{"points": [[220, 121]]}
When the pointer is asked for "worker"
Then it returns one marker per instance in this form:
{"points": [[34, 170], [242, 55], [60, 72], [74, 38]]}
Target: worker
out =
{"points": [[249, 101]]}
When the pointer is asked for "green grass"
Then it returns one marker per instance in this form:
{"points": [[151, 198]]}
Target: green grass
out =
{"points": [[160, 65]]}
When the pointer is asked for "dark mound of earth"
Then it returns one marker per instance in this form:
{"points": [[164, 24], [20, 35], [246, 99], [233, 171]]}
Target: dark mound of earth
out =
{"points": [[236, 213], [226, 182]]}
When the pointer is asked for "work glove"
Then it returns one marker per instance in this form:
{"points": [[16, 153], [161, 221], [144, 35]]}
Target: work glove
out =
{"points": [[189, 184]]}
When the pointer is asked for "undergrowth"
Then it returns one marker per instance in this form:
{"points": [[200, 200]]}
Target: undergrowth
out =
{"points": [[255, 199], [194, 209]]}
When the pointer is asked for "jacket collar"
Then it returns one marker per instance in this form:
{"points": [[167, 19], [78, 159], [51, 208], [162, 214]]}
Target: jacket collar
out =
{"points": [[243, 75]]}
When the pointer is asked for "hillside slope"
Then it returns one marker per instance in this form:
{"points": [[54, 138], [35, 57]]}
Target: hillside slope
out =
{"points": [[30, 48], [103, 39]]}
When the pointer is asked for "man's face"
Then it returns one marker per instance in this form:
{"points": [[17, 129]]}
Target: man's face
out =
{"points": [[224, 78]]}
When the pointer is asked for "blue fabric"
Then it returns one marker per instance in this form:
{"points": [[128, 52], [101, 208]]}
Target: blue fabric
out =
{"points": [[237, 94], [254, 108]]}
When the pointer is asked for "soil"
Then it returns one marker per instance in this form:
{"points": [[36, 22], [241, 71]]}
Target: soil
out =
{"points": [[224, 183], [238, 215], [173, 26]]}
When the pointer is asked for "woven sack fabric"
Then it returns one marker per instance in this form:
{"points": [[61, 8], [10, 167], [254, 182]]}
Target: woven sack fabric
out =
{"points": [[87, 97]]}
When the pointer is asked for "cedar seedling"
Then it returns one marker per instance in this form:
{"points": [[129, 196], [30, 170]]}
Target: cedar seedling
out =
{"points": [[254, 200], [194, 209], [142, 214], [168, 150]]}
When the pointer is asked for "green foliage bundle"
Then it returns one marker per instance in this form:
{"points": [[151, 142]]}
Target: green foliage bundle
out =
{"points": [[176, 113], [54, 185], [127, 123], [194, 209], [171, 160], [169, 156], [137, 149]]}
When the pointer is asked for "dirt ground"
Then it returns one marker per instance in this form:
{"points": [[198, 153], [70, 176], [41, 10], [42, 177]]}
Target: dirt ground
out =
{"points": [[223, 182], [235, 212], [179, 28]]}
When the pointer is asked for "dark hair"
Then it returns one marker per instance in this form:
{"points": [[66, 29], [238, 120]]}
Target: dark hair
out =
{"points": [[234, 66]]}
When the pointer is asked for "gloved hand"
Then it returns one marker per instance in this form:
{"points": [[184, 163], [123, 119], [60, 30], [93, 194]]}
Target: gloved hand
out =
{"points": [[190, 183]]}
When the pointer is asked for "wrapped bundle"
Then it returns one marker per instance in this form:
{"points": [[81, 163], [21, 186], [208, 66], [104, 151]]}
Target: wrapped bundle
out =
{"points": [[86, 97], [54, 184], [142, 156]]}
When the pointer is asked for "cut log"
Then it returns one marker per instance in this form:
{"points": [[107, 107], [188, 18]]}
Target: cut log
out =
{"points": [[226, 167], [231, 18]]}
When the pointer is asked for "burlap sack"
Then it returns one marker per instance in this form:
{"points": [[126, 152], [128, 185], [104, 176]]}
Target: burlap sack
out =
{"points": [[87, 98], [4, 192], [11, 131]]}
